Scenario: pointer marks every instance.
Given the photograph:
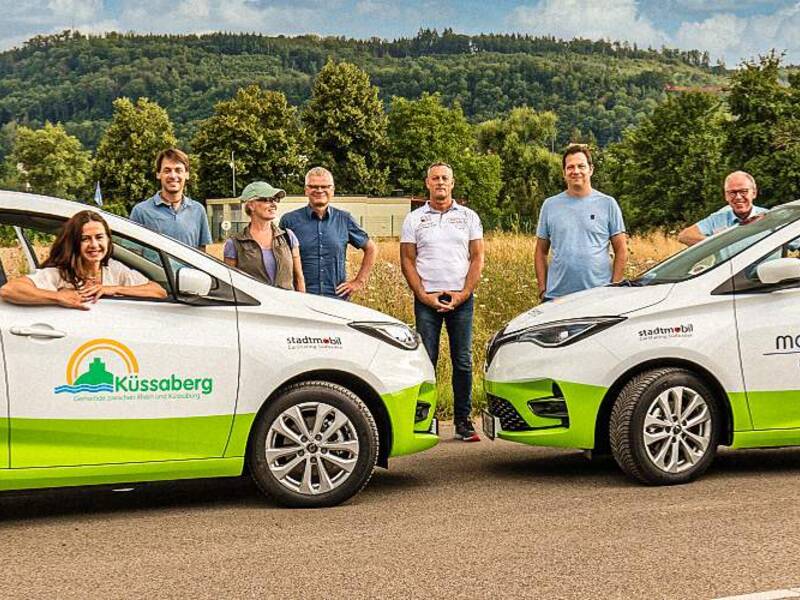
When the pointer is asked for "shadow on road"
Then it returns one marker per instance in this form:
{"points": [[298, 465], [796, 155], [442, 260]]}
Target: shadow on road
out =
{"points": [[570, 465], [201, 493], [751, 462], [574, 466]]}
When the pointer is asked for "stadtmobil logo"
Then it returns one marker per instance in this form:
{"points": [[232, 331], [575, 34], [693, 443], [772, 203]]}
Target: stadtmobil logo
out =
{"points": [[310, 341], [681, 330], [105, 369]]}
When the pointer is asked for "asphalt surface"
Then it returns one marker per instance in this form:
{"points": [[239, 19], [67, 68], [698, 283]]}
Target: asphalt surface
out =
{"points": [[485, 520]]}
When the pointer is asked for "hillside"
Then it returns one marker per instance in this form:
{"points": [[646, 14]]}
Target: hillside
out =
{"points": [[598, 88]]}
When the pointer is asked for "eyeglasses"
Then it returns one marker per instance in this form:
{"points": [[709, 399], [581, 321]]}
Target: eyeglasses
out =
{"points": [[274, 200], [733, 193], [316, 188]]}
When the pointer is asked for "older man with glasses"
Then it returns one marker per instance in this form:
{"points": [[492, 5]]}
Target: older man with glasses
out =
{"points": [[324, 233], [740, 192]]}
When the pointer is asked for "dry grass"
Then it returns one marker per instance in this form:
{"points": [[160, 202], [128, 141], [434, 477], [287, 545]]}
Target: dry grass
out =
{"points": [[508, 287]]}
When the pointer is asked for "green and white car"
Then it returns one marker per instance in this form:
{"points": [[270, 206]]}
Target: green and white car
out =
{"points": [[700, 351], [225, 375]]}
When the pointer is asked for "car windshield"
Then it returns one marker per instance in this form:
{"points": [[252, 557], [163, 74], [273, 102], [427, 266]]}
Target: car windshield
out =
{"points": [[718, 249]]}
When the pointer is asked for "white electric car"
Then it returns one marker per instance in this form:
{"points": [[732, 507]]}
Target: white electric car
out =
{"points": [[225, 374], [700, 351]]}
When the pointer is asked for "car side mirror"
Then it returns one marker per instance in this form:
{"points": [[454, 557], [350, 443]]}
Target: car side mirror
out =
{"points": [[779, 270], [191, 282]]}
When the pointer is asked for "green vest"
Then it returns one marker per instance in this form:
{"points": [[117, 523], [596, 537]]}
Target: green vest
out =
{"points": [[250, 259]]}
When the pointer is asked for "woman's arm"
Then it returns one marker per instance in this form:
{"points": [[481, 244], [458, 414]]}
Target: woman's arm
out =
{"points": [[23, 291], [145, 290], [297, 269]]}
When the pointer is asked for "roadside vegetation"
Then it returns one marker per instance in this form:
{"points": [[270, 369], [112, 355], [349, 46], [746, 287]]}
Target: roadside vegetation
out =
{"points": [[508, 287]]}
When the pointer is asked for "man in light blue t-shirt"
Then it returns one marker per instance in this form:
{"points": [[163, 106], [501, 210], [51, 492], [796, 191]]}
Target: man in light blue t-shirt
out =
{"points": [[740, 192], [578, 225]]}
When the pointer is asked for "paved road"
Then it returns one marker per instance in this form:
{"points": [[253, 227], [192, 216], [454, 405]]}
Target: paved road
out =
{"points": [[463, 520]]}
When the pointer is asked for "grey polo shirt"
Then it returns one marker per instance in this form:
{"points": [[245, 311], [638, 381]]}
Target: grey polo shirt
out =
{"points": [[188, 224]]}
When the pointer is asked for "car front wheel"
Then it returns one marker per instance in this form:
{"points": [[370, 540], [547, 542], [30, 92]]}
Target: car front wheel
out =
{"points": [[664, 427], [315, 445]]}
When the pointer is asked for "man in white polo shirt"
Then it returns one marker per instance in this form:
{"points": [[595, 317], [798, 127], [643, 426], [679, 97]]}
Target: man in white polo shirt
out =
{"points": [[441, 254]]}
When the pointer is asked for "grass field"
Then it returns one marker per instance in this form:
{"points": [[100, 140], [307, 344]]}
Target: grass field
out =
{"points": [[508, 287]]}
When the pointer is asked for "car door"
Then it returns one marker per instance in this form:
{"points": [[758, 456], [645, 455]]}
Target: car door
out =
{"points": [[5, 449], [768, 323], [127, 381]]}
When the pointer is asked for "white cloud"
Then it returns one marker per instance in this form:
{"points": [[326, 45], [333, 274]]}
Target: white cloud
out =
{"points": [[75, 10], [377, 8], [610, 19], [214, 15], [194, 8], [739, 38]]}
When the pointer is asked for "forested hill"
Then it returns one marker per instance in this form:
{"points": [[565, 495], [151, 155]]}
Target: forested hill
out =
{"points": [[598, 88]]}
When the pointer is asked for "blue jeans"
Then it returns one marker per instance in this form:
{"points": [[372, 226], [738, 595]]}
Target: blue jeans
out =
{"points": [[459, 331]]}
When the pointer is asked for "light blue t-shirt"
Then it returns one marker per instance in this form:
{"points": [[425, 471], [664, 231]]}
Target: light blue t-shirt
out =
{"points": [[723, 219], [188, 225], [579, 230]]}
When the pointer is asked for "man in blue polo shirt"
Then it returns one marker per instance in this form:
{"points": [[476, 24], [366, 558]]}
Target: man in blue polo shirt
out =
{"points": [[740, 192], [170, 212], [324, 233]]}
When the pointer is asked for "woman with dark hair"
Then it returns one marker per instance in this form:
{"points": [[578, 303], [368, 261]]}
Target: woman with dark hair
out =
{"points": [[80, 270], [264, 250]]}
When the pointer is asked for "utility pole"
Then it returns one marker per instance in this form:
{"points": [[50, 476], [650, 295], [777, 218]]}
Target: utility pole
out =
{"points": [[233, 175]]}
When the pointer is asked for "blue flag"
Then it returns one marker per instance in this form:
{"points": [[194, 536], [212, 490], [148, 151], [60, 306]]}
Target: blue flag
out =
{"points": [[98, 195]]}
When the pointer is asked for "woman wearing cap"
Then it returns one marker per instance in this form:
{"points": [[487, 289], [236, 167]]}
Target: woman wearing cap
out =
{"points": [[262, 249]]}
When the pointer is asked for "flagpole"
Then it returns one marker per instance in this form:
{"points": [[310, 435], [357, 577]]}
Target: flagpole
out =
{"points": [[233, 175]]}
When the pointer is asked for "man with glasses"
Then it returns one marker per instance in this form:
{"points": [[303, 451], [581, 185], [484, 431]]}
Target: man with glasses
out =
{"points": [[578, 225], [740, 192], [324, 233]]}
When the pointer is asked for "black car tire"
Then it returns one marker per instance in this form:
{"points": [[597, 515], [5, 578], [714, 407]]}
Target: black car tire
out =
{"points": [[281, 440], [665, 427]]}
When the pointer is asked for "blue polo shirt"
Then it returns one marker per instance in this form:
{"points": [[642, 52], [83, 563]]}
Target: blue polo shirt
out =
{"points": [[188, 224], [323, 245], [723, 219]]}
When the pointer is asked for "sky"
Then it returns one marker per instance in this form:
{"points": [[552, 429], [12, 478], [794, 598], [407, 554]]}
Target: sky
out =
{"points": [[731, 30]]}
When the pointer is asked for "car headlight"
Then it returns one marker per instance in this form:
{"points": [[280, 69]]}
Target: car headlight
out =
{"points": [[397, 334], [551, 335]]}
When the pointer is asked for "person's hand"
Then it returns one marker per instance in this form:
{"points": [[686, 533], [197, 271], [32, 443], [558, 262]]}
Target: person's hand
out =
{"points": [[457, 298], [70, 299], [433, 300], [348, 288], [92, 293]]}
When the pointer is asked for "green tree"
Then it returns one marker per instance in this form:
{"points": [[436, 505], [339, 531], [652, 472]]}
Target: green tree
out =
{"points": [[8, 171], [346, 124], [52, 162], [531, 171], [668, 171], [424, 131], [124, 161], [761, 135], [262, 130]]}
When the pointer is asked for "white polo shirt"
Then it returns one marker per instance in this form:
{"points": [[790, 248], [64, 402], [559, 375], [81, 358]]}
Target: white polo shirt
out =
{"points": [[442, 240]]}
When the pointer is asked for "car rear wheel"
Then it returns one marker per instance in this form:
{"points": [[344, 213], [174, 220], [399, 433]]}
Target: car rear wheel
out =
{"points": [[665, 426], [315, 445]]}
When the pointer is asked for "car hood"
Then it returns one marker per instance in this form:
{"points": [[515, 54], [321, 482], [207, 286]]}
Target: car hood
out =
{"points": [[344, 310], [597, 302]]}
